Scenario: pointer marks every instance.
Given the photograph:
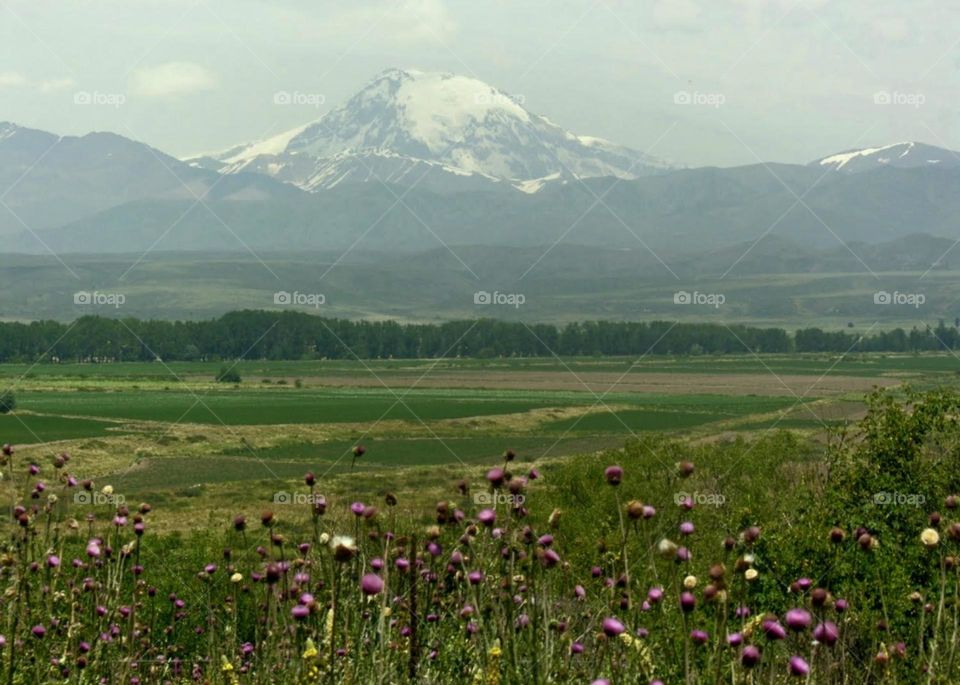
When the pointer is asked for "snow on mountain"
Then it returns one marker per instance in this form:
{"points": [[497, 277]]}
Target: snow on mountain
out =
{"points": [[906, 155], [441, 123]]}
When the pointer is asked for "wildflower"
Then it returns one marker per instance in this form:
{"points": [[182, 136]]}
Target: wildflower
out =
{"points": [[300, 612], [53, 561], [239, 523], [654, 595], [798, 619], [613, 474], [798, 666], [310, 479], [773, 630], [687, 602], [649, 512], [690, 582], [840, 606], [576, 648], [344, 549], [734, 639], [358, 508], [687, 528], [236, 578], [750, 574], [487, 517], [475, 577], [930, 538], [612, 627], [38, 631], [750, 656], [634, 509], [359, 451], [496, 476], [699, 637], [371, 584], [666, 548], [310, 650], [579, 592], [685, 469], [826, 633], [107, 490]]}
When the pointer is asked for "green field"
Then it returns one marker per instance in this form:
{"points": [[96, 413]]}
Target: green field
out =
{"points": [[172, 432]]}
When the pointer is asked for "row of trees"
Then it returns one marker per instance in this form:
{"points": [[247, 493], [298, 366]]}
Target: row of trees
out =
{"points": [[293, 335]]}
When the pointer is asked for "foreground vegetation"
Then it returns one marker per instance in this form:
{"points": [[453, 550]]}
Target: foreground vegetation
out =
{"points": [[769, 560]]}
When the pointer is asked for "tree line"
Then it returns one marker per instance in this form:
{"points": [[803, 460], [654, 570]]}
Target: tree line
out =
{"points": [[254, 334]]}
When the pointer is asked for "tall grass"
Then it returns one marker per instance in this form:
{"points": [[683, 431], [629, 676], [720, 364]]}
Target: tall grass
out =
{"points": [[763, 562]]}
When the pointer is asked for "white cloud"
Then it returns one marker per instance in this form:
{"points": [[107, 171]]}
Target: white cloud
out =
{"points": [[14, 79], [403, 21], [171, 79], [676, 13]]}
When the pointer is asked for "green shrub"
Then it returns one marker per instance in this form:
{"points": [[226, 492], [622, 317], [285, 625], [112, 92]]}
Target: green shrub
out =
{"points": [[8, 402]]}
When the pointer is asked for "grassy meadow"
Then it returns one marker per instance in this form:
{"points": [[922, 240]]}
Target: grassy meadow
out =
{"points": [[674, 520]]}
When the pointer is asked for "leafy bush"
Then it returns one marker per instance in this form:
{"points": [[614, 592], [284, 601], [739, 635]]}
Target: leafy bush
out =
{"points": [[228, 374]]}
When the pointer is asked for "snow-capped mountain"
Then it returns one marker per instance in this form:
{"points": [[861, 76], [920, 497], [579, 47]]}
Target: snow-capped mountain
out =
{"points": [[907, 155], [405, 124]]}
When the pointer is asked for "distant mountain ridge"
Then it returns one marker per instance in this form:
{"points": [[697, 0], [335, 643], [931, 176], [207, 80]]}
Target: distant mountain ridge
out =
{"points": [[472, 166]]}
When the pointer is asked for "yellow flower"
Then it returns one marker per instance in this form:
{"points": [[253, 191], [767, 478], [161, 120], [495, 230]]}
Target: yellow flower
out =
{"points": [[311, 650], [236, 578], [107, 490], [690, 582], [750, 574], [930, 538], [225, 664]]}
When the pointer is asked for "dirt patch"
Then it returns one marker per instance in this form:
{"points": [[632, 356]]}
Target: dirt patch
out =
{"points": [[766, 384]]}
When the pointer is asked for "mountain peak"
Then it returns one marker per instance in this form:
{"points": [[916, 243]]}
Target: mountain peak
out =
{"points": [[905, 155], [452, 126]]}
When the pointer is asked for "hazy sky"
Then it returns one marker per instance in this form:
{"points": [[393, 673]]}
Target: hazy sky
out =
{"points": [[784, 80]]}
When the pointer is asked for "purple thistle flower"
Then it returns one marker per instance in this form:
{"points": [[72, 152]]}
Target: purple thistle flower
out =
{"points": [[687, 528], [613, 474], [487, 517], [53, 561], [357, 508], [655, 594], [576, 648], [798, 619], [687, 602], [496, 476], [475, 577], [840, 605], [773, 630], [371, 584], [612, 627], [300, 612], [826, 633], [798, 666], [699, 637], [750, 656], [648, 511], [734, 639], [38, 631]]}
